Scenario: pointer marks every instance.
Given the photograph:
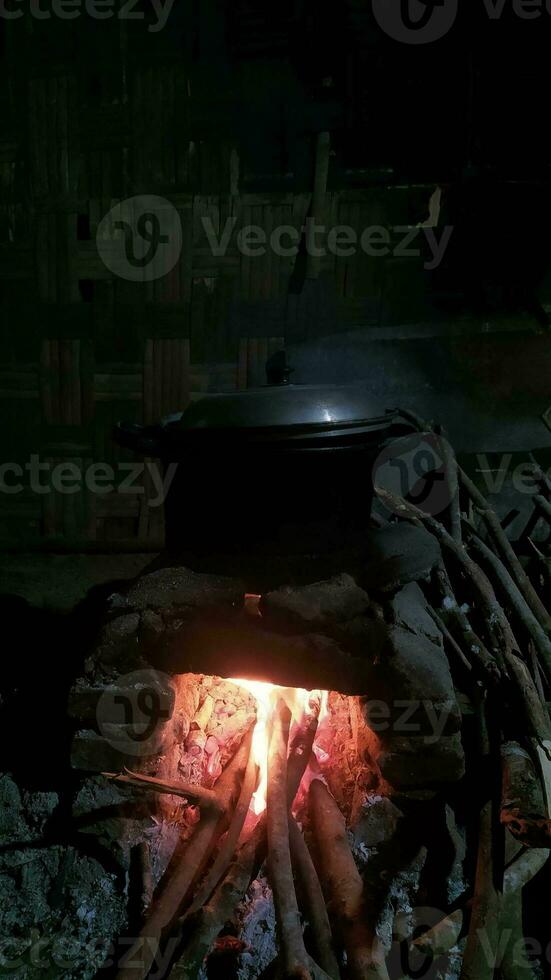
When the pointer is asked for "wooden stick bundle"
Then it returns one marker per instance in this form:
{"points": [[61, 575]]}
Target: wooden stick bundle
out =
{"points": [[516, 600], [197, 934], [493, 523], [188, 867], [497, 624], [507, 552]]}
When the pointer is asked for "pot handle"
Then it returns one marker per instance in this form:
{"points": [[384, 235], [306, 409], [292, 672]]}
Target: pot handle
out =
{"points": [[141, 439]]}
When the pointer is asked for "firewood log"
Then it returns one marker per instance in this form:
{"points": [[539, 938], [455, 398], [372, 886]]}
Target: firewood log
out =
{"points": [[204, 797], [517, 602], [523, 807], [166, 906], [507, 553], [196, 935], [225, 854], [293, 952], [475, 650], [312, 902], [344, 889]]}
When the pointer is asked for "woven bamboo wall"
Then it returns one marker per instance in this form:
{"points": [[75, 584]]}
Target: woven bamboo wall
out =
{"points": [[81, 348]]}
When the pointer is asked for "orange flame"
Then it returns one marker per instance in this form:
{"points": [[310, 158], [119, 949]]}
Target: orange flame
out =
{"points": [[267, 696]]}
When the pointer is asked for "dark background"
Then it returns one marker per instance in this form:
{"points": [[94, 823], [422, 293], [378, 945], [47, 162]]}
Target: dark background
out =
{"points": [[219, 113]]}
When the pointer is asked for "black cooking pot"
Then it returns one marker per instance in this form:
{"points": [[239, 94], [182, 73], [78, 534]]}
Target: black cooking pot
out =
{"points": [[277, 470]]}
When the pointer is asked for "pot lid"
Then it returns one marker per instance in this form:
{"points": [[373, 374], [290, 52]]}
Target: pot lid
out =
{"points": [[276, 406]]}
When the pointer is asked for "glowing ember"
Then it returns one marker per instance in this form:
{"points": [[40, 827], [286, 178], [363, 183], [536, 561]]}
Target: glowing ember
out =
{"points": [[267, 696]]}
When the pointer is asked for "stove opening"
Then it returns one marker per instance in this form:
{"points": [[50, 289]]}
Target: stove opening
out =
{"points": [[250, 793]]}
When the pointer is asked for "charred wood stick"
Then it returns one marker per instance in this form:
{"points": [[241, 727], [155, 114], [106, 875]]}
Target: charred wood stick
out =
{"points": [[483, 587], [544, 564], [492, 522], [496, 620], [516, 600], [535, 712], [445, 934], [523, 808], [535, 604], [144, 861], [440, 939], [509, 518], [450, 466], [140, 886], [314, 908], [227, 850], [300, 752], [429, 426], [344, 890], [197, 933], [452, 472], [297, 763], [189, 866], [482, 660], [530, 526], [508, 554], [514, 963], [537, 672], [207, 798], [543, 754], [482, 940], [451, 642], [544, 507], [295, 960], [476, 495], [525, 867]]}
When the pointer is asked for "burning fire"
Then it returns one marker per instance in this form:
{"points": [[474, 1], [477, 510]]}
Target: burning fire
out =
{"points": [[267, 696]]}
